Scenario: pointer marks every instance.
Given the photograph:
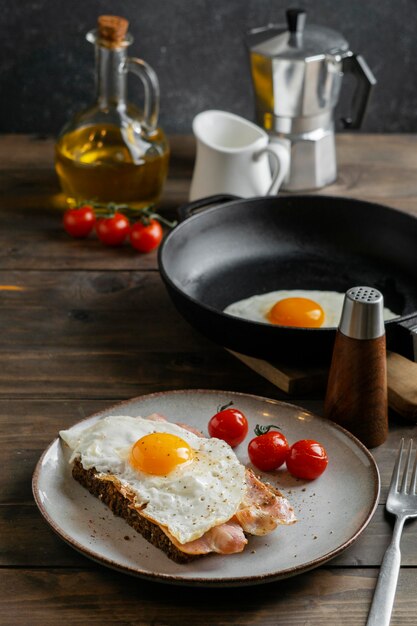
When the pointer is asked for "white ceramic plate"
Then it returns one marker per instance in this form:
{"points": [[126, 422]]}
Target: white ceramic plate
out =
{"points": [[332, 511]]}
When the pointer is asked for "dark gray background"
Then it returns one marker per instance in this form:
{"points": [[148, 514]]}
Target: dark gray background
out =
{"points": [[197, 50]]}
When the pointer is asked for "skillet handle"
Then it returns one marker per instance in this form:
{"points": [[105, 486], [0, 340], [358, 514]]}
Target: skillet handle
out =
{"points": [[403, 337], [187, 210]]}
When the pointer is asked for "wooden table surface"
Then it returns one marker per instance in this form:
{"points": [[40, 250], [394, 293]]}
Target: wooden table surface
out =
{"points": [[83, 326]]}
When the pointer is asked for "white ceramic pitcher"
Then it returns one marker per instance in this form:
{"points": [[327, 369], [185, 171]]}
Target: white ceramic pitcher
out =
{"points": [[233, 156]]}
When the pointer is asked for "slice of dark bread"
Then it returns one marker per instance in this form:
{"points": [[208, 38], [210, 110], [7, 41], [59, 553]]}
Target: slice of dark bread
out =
{"points": [[108, 493]]}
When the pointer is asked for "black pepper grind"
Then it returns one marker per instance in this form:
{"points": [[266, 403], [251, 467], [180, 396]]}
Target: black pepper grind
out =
{"points": [[356, 396]]}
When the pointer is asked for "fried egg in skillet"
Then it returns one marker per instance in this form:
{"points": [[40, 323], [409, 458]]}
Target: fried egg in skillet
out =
{"points": [[297, 307]]}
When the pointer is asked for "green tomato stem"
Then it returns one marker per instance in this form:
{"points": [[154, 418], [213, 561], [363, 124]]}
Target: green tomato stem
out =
{"points": [[262, 430], [145, 214]]}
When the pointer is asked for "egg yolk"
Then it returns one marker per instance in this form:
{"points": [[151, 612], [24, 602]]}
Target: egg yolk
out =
{"points": [[300, 312], [160, 453]]}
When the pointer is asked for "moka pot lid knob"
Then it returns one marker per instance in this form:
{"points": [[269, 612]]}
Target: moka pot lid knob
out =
{"points": [[297, 40]]}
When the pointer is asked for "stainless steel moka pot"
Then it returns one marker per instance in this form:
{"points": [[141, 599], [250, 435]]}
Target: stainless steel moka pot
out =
{"points": [[297, 73]]}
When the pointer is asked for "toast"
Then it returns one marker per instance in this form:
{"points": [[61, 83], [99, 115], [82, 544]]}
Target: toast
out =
{"points": [[108, 493], [178, 515]]}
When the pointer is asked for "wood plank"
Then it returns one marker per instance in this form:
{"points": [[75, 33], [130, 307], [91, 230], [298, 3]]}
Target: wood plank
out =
{"points": [[26, 540], [100, 310], [115, 375], [29, 190], [106, 597], [80, 335], [288, 378], [401, 380], [26, 429], [402, 387], [39, 242]]}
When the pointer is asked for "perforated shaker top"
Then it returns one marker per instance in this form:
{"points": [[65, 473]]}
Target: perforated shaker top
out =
{"points": [[363, 313]]}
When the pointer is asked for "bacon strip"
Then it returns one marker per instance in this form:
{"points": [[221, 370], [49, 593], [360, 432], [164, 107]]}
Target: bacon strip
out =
{"points": [[227, 538], [157, 417], [191, 429], [263, 507]]}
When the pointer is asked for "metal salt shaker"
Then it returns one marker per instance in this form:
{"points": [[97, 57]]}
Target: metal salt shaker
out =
{"points": [[356, 396]]}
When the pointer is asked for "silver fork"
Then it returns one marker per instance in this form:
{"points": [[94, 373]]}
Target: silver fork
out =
{"points": [[401, 502]]}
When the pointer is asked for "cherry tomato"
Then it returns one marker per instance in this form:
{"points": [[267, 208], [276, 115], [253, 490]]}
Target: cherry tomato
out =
{"points": [[307, 459], [79, 222], [268, 450], [146, 237], [230, 425], [112, 231]]}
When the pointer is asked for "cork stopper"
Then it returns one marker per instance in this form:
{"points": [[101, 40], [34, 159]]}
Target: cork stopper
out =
{"points": [[112, 30]]}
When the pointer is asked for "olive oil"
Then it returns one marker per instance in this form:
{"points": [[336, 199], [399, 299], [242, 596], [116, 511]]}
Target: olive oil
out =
{"points": [[98, 163], [112, 151]]}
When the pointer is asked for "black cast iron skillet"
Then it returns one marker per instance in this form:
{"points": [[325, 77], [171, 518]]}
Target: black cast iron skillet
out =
{"points": [[241, 247]]}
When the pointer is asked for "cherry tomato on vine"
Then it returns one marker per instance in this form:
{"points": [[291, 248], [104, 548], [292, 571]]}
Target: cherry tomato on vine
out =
{"points": [[307, 459], [146, 237], [112, 231], [269, 449], [230, 425], [79, 222]]}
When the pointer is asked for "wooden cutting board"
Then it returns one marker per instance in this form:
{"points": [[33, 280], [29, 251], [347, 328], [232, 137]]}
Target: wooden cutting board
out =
{"points": [[401, 378]]}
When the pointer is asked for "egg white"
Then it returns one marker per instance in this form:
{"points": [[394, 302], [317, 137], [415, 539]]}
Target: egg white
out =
{"points": [[191, 499], [257, 307]]}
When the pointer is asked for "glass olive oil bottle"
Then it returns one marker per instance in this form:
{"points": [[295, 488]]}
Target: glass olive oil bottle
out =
{"points": [[112, 151]]}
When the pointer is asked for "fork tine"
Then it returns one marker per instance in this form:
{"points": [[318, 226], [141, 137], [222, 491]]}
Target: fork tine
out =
{"points": [[407, 468], [414, 477], [396, 471]]}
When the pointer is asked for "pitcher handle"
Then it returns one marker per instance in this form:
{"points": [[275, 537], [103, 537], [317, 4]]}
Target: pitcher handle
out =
{"points": [[151, 86], [280, 154], [365, 80]]}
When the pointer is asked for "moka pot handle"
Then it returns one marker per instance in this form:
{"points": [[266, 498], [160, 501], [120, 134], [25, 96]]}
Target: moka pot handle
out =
{"points": [[355, 64]]}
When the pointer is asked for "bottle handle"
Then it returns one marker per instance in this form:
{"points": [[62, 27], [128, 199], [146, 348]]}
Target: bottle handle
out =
{"points": [[356, 65], [151, 86]]}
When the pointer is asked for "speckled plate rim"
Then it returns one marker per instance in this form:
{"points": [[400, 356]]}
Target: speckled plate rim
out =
{"points": [[200, 581]]}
